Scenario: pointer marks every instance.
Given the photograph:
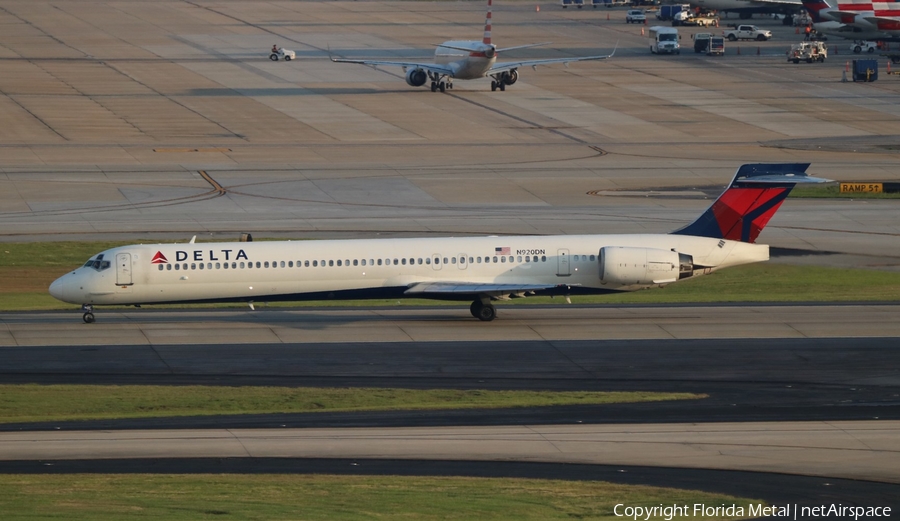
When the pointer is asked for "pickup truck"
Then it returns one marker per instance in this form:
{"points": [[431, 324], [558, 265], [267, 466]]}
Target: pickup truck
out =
{"points": [[635, 16], [747, 32], [687, 18]]}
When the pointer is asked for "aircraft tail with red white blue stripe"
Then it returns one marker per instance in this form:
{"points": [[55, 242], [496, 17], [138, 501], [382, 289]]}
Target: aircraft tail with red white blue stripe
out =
{"points": [[749, 202]]}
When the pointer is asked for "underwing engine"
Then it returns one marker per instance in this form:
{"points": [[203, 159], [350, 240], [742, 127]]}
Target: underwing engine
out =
{"points": [[510, 77], [416, 77], [627, 266]]}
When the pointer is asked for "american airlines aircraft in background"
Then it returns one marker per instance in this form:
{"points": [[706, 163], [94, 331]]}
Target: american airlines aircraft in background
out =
{"points": [[855, 19], [469, 60], [480, 269]]}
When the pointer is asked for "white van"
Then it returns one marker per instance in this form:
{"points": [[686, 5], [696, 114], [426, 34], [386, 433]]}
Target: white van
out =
{"points": [[664, 40]]}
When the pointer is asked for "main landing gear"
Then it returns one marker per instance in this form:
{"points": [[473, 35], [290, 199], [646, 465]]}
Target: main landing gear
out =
{"points": [[483, 310], [88, 316], [440, 83], [501, 80]]}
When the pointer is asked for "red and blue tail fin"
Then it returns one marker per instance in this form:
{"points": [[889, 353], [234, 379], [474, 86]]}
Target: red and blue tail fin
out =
{"points": [[752, 198]]}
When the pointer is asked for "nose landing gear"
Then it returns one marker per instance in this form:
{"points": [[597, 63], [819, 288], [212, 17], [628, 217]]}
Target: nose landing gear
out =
{"points": [[88, 316]]}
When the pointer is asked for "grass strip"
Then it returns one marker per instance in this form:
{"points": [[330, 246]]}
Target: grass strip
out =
{"points": [[28, 269], [314, 497], [42, 403]]}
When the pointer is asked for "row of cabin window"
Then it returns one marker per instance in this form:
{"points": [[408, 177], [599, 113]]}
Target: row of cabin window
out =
{"points": [[358, 262]]}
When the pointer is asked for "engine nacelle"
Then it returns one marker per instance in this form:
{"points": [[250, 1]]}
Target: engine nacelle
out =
{"points": [[643, 266], [510, 77], [416, 77]]}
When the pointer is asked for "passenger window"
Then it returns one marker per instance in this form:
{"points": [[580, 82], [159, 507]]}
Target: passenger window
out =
{"points": [[471, 260], [266, 264], [242, 265], [306, 264], [363, 262], [219, 266], [437, 260], [281, 264], [161, 267], [543, 258], [234, 265], [495, 260], [395, 262], [201, 265], [592, 258], [502, 259], [528, 258], [446, 260], [355, 262], [403, 261], [331, 263], [379, 262], [193, 266], [168, 267], [315, 264], [339, 262], [519, 259], [478, 260]]}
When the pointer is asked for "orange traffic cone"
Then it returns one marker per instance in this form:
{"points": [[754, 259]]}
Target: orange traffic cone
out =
{"points": [[642, 31], [607, 16], [537, 9], [797, 30]]}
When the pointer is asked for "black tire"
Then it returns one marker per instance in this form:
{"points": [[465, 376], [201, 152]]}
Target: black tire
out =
{"points": [[796, 60], [871, 50], [88, 318], [287, 58], [493, 85], [442, 86], [475, 308], [502, 86], [760, 38], [433, 86], [732, 38], [273, 57], [487, 313], [857, 49]]}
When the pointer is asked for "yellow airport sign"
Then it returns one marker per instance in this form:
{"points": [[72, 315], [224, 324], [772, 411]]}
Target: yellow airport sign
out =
{"points": [[857, 188]]}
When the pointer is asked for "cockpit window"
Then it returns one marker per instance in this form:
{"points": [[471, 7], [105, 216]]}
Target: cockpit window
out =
{"points": [[98, 264]]}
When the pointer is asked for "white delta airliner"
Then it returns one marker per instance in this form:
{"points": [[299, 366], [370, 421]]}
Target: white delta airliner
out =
{"points": [[469, 60], [480, 269]]}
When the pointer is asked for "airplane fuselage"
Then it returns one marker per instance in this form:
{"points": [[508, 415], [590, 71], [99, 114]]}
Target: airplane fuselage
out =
{"points": [[467, 65], [303, 270]]}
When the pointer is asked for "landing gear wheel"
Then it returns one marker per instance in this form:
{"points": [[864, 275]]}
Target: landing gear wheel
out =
{"points": [[88, 318], [434, 86], [502, 86], [442, 86], [493, 85], [482, 311]]}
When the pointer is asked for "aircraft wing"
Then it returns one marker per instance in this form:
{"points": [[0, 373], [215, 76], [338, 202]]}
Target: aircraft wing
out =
{"points": [[475, 288], [505, 66], [430, 67]]}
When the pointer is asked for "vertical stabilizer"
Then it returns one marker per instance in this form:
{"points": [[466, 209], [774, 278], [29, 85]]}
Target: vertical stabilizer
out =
{"points": [[815, 8], [487, 25], [752, 198]]}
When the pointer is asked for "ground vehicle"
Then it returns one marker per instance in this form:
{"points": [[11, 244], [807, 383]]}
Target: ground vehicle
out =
{"points": [[686, 18], [664, 40], [668, 12], [701, 42], [283, 54], [808, 52], [747, 32], [716, 46], [636, 16], [859, 46]]}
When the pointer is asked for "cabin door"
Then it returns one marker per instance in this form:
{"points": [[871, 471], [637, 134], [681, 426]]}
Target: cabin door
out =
{"points": [[436, 262], [462, 264], [562, 263], [123, 269]]}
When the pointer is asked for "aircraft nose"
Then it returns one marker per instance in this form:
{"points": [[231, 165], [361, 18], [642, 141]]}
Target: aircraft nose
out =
{"points": [[58, 288]]}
